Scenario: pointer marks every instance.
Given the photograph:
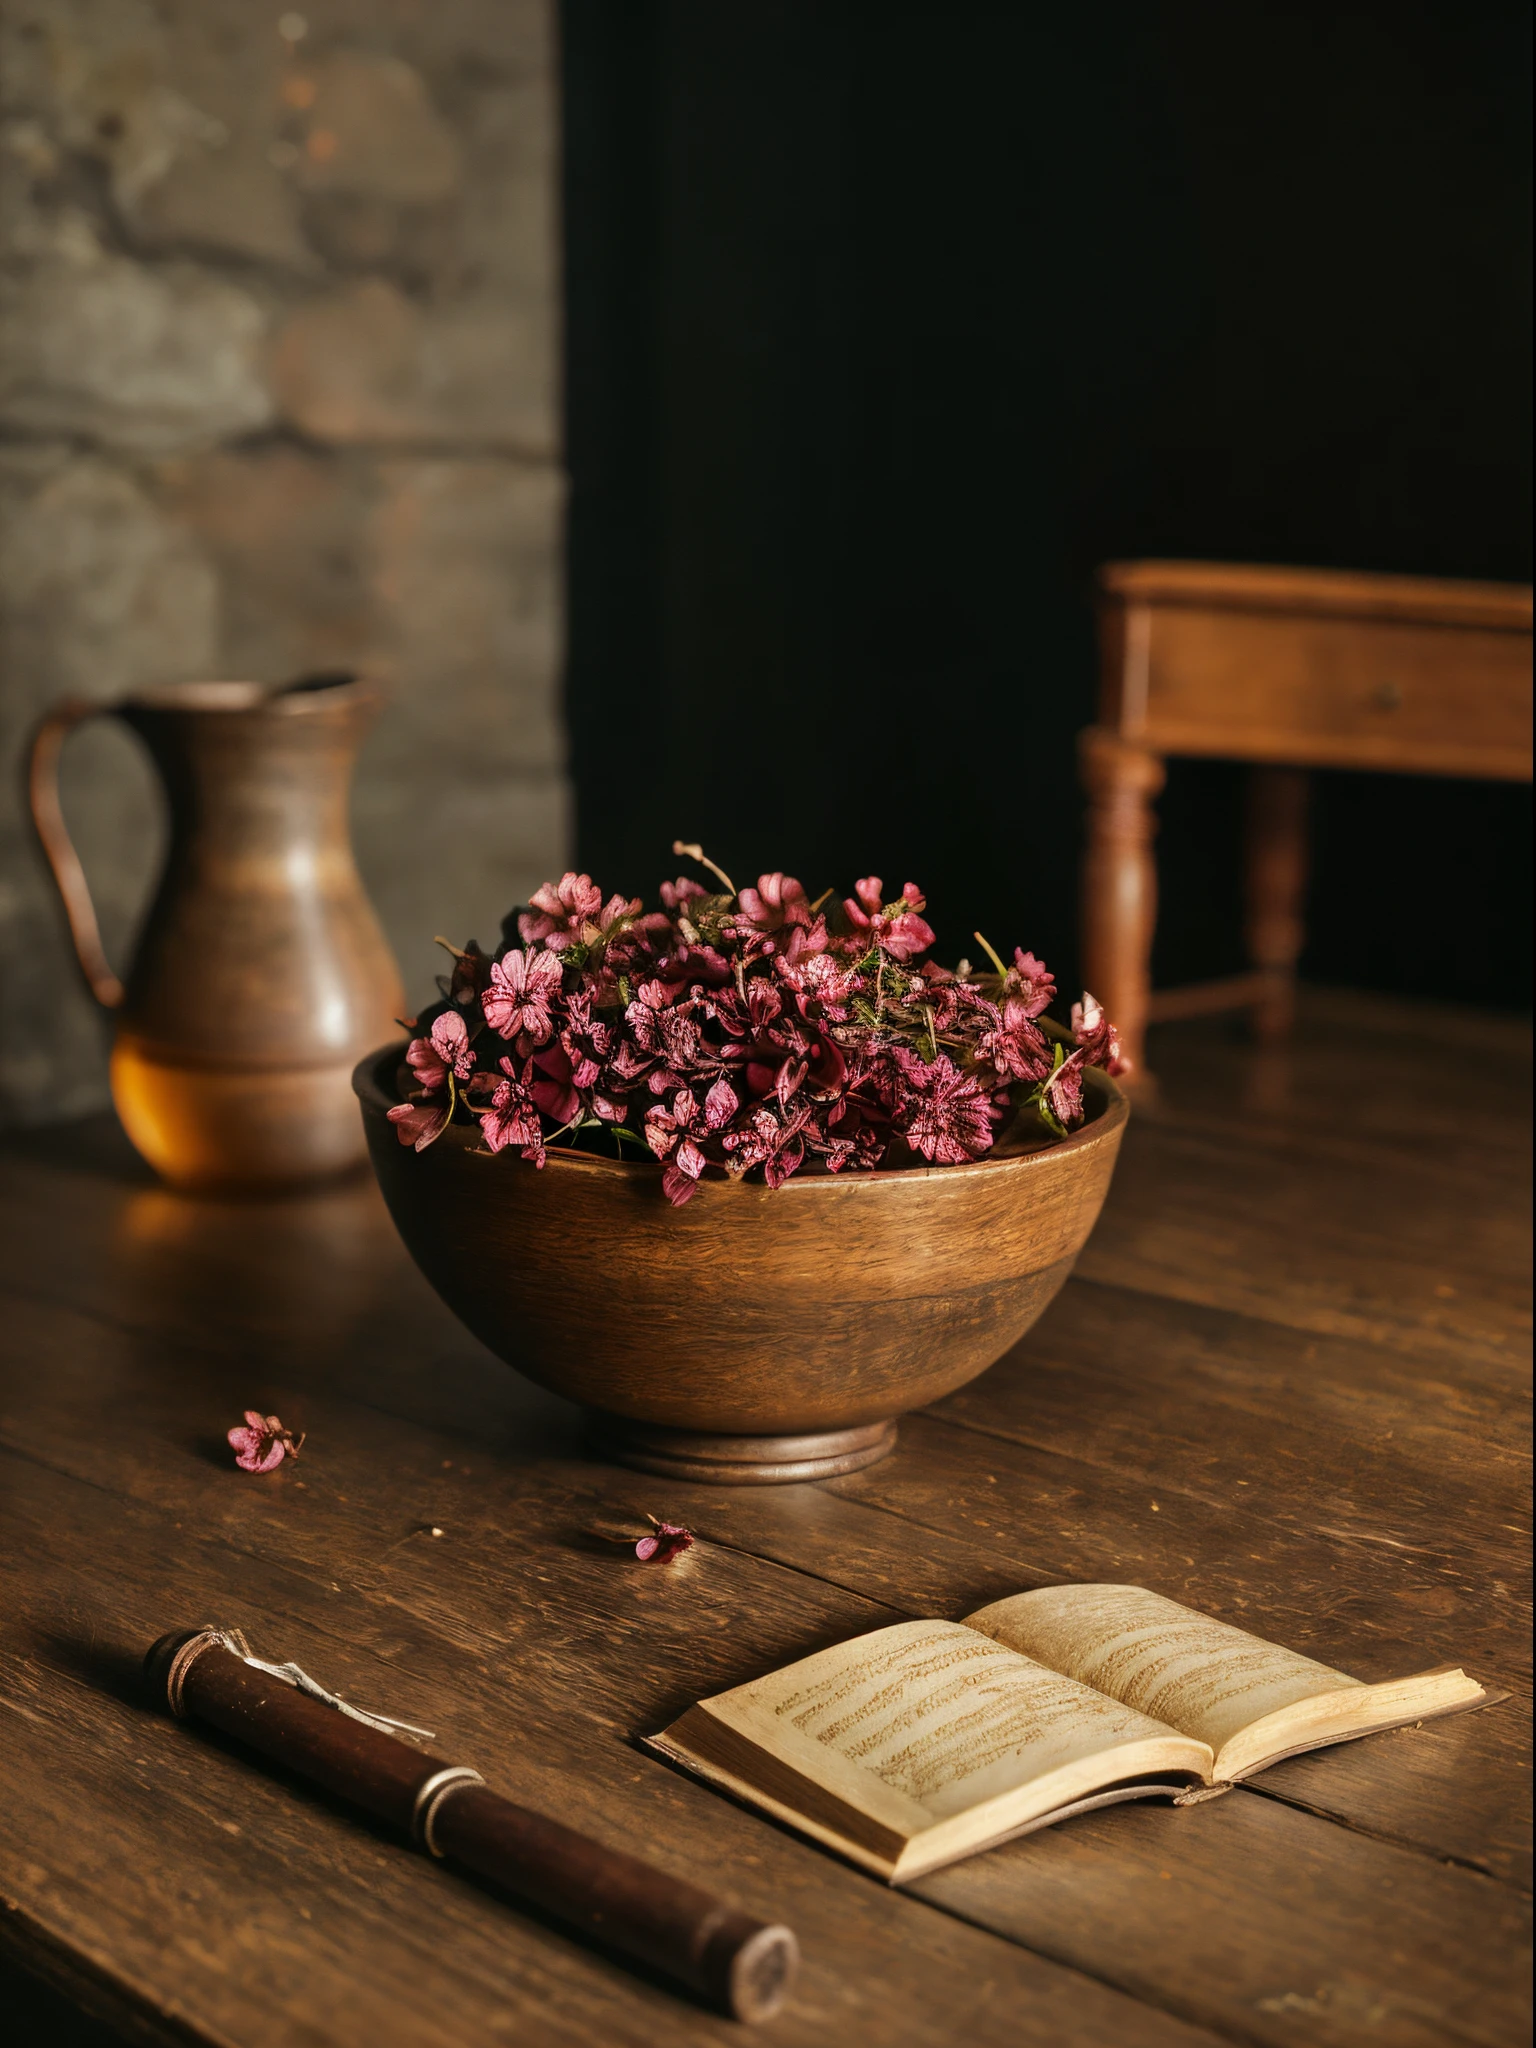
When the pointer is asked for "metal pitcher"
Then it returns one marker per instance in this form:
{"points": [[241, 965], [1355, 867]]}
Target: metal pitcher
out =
{"points": [[261, 975]]}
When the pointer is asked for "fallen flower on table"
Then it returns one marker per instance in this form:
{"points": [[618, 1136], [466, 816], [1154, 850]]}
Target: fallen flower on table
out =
{"points": [[658, 1544], [670, 1540], [261, 1443]]}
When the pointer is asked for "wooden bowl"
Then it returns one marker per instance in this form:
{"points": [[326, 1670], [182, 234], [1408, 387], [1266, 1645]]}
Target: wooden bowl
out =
{"points": [[752, 1335]]}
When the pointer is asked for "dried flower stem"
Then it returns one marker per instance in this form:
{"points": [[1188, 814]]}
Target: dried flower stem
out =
{"points": [[691, 851], [991, 953]]}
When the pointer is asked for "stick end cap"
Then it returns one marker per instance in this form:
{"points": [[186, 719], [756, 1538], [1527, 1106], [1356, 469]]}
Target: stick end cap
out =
{"points": [[761, 1973]]}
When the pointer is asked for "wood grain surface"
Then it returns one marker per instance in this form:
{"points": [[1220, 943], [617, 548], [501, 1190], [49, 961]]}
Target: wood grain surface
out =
{"points": [[1288, 670], [1288, 1383], [1338, 693], [835, 1300], [1340, 593]]}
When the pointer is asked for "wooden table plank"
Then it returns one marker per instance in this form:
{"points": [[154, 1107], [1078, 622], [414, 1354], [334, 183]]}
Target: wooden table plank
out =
{"points": [[946, 1565], [1366, 1070], [261, 1934], [1029, 1515], [599, 1644], [1392, 1967], [585, 1671], [1340, 1184], [1218, 1221], [1116, 1536], [1333, 1446], [1235, 1407]]}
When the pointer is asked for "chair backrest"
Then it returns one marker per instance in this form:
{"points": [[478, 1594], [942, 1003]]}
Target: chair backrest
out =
{"points": [[1318, 668]]}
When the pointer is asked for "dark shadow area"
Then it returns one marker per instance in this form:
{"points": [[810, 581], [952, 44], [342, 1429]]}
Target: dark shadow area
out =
{"points": [[1449, 865], [116, 1669], [95, 1145], [38, 2016], [885, 331], [218, 1452], [49, 1997]]}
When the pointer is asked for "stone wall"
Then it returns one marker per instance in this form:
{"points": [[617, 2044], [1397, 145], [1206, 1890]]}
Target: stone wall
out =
{"points": [[278, 393]]}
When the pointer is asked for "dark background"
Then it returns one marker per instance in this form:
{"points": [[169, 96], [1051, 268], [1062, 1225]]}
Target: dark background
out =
{"points": [[886, 324]]}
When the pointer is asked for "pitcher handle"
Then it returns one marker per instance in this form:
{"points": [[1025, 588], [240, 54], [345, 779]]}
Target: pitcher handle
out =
{"points": [[48, 818]]}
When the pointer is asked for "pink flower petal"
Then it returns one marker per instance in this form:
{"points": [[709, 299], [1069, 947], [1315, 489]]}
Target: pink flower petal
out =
{"points": [[678, 1187], [670, 1540], [450, 1041], [720, 1105], [418, 1123], [425, 1062], [262, 1446]]}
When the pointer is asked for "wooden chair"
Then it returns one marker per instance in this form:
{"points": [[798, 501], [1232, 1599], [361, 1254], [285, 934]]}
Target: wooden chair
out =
{"points": [[1290, 669]]}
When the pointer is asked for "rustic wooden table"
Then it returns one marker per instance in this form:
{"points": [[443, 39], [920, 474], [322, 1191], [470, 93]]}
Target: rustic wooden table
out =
{"points": [[1288, 1384]]}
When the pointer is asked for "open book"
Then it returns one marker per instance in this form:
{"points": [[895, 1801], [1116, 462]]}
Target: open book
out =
{"points": [[916, 1745]]}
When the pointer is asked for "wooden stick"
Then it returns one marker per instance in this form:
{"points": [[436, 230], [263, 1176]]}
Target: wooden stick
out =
{"points": [[742, 1966]]}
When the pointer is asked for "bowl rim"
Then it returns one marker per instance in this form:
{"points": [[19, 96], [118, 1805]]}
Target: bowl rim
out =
{"points": [[1111, 1119]]}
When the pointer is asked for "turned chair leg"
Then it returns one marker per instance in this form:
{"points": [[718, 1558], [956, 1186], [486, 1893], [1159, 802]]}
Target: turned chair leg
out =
{"points": [[1120, 880], [1276, 883]]}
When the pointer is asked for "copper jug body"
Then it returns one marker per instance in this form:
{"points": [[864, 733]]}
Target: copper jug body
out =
{"points": [[261, 975]]}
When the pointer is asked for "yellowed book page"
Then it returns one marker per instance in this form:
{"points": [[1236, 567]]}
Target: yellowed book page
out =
{"points": [[1196, 1674], [921, 1722], [1340, 1716]]}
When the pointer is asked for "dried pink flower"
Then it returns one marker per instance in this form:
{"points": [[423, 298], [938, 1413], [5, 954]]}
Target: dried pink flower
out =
{"points": [[446, 1051], [571, 912], [720, 1105], [772, 1141], [673, 1135], [942, 1113], [824, 987], [1061, 1095], [586, 1044], [1016, 1047], [513, 1117], [560, 908], [1031, 981], [1096, 1036], [742, 1032], [523, 985], [670, 1540], [777, 900], [262, 1443], [895, 927], [417, 1124]]}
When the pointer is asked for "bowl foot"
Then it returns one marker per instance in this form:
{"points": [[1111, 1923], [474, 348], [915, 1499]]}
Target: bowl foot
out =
{"points": [[741, 1460]]}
